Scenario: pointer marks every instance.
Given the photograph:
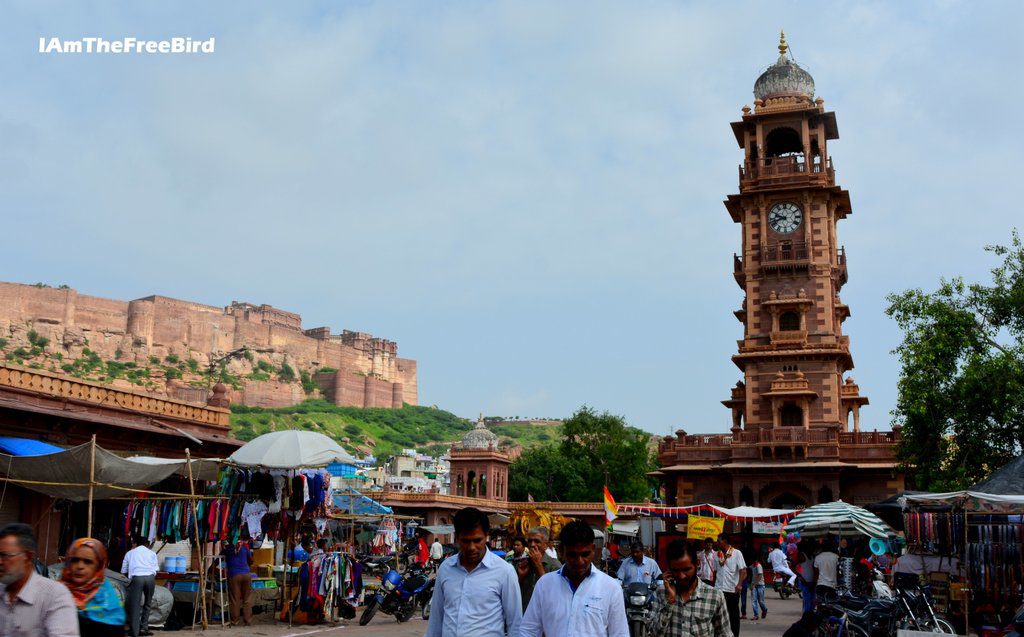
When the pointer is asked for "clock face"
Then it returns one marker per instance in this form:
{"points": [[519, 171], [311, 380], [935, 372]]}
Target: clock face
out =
{"points": [[785, 217]]}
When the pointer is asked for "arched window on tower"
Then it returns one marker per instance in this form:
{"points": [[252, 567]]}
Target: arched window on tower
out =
{"points": [[746, 497], [784, 142], [791, 416], [789, 322], [460, 486], [471, 484], [483, 486]]}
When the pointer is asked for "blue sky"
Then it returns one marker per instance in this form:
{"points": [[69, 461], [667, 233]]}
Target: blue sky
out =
{"points": [[526, 196]]}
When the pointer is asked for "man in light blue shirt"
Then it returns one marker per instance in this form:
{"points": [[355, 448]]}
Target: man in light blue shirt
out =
{"points": [[578, 600], [638, 567], [476, 593]]}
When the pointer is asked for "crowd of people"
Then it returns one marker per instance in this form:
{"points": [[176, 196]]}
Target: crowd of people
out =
{"points": [[529, 592]]}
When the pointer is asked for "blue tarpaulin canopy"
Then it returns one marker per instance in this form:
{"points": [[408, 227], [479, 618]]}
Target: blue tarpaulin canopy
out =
{"points": [[348, 500], [26, 447]]}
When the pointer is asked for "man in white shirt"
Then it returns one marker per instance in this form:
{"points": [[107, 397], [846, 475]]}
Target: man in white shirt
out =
{"points": [[707, 561], [140, 565], [826, 571], [436, 554], [780, 565], [729, 576], [476, 593], [578, 599], [638, 567]]}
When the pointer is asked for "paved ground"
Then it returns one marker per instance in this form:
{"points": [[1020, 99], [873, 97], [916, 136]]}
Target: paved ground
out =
{"points": [[781, 613]]}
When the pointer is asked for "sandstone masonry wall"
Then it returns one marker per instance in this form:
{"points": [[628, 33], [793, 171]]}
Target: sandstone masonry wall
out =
{"points": [[371, 372]]}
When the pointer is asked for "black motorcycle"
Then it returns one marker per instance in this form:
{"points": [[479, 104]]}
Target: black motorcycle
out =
{"points": [[640, 607], [376, 565]]}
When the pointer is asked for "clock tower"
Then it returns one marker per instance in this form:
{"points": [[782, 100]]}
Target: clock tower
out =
{"points": [[796, 437], [793, 354]]}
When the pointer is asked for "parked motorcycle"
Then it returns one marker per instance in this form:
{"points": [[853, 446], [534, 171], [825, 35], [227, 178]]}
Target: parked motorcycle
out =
{"points": [[397, 595], [376, 565], [640, 607], [424, 597], [910, 608]]}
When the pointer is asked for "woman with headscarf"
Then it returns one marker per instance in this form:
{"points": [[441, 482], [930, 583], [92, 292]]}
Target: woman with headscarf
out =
{"points": [[100, 611]]}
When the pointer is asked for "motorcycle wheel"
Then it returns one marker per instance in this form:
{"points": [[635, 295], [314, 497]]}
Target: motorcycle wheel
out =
{"points": [[368, 612], [404, 613], [942, 626], [783, 592], [637, 628], [425, 611]]}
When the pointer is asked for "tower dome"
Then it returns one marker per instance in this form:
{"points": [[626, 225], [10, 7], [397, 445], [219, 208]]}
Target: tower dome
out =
{"points": [[479, 437], [785, 78]]}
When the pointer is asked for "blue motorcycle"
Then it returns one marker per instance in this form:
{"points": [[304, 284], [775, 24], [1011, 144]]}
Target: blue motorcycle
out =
{"points": [[398, 595]]}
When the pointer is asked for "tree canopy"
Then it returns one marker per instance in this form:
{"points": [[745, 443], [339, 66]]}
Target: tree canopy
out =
{"points": [[961, 387], [595, 449]]}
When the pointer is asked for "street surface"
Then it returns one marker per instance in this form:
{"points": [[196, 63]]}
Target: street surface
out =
{"points": [[781, 614]]}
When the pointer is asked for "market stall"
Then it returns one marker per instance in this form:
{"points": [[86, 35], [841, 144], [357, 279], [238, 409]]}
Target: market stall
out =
{"points": [[282, 491]]}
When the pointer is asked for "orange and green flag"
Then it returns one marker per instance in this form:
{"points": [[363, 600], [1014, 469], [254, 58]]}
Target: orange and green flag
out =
{"points": [[611, 510]]}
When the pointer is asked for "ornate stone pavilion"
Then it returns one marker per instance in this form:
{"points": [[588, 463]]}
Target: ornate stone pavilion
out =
{"points": [[796, 438], [478, 468]]}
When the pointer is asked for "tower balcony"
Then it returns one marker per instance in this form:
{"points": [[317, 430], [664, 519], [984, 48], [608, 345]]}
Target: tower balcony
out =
{"points": [[737, 270], [777, 443], [842, 275], [794, 170]]}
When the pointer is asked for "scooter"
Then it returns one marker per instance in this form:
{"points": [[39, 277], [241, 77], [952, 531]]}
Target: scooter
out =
{"points": [[640, 606], [397, 595]]}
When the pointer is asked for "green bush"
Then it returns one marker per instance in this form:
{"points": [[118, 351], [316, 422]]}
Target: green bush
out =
{"points": [[154, 360], [264, 366], [259, 376], [68, 367], [353, 430], [327, 370], [3, 343], [287, 374], [118, 354], [193, 365], [20, 353], [171, 359], [115, 370]]}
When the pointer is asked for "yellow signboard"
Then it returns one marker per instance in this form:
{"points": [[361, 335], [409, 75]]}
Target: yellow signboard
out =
{"points": [[699, 527]]}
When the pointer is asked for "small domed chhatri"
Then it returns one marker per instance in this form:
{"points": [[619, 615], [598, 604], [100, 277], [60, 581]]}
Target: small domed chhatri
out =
{"points": [[785, 78], [479, 437]]}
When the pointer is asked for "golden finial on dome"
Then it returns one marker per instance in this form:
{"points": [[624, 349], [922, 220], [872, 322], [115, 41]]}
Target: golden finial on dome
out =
{"points": [[782, 42]]}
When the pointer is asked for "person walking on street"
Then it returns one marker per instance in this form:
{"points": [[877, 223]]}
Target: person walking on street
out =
{"points": [[436, 553], [757, 590], [33, 606], [826, 571], [688, 606], [707, 562], [100, 612], [638, 567], [538, 563], [806, 579], [578, 599], [728, 577], [140, 565], [518, 551], [238, 558], [476, 593]]}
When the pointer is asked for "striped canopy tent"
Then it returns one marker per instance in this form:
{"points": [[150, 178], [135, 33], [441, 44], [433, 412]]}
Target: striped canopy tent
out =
{"points": [[838, 518]]}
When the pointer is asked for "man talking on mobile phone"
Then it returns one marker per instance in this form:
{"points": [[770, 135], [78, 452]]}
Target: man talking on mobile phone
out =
{"points": [[688, 606]]}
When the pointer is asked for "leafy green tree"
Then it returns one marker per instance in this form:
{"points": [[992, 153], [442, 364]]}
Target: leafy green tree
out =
{"points": [[547, 475], [961, 387], [595, 449]]}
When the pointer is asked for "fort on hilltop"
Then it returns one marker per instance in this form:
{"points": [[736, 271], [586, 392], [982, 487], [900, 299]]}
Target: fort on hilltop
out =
{"points": [[150, 333]]}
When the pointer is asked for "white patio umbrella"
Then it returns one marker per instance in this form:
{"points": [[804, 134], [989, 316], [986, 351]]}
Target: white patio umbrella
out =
{"points": [[839, 518], [290, 449]]}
